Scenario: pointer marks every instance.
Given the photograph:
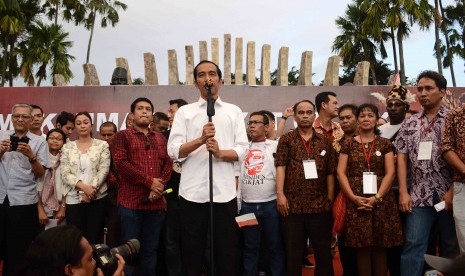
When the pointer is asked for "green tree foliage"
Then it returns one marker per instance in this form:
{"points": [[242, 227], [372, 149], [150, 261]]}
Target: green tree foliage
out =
{"points": [[46, 48], [382, 73], [107, 10], [356, 43]]}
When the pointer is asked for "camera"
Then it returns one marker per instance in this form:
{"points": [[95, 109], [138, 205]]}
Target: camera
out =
{"points": [[14, 140], [106, 259]]}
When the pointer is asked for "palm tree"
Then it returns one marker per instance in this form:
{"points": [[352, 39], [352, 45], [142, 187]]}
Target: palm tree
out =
{"points": [[437, 44], [399, 16], [355, 43], [108, 10], [11, 26], [453, 19], [46, 47]]}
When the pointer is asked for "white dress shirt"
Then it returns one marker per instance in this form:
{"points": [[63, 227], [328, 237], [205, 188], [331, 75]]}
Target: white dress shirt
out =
{"points": [[230, 132]]}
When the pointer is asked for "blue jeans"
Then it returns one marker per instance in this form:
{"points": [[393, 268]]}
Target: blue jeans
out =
{"points": [[145, 226], [417, 231], [270, 227]]}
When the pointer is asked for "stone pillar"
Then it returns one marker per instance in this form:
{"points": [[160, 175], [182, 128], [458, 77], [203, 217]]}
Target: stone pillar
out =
{"points": [[189, 65], [173, 75], [362, 74], [251, 63], [332, 71], [227, 59], [203, 50], [265, 75], [151, 77], [305, 73], [59, 80], [123, 62], [215, 51], [283, 72], [90, 75], [238, 64]]}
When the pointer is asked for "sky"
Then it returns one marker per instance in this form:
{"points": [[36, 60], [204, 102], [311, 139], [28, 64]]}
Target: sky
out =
{"points": [[302, 25]]}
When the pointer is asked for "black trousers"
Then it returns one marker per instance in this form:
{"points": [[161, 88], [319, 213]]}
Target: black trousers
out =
{"points": [[195, 220], [316, 227], [89, 218], [18, 228]]}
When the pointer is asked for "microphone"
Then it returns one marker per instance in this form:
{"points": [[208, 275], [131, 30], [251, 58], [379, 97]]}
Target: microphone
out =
{"points": [[146, 200], [210, 101]]}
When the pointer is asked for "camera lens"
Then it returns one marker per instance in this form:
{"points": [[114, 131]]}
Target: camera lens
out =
{"points": [[129, 251]]}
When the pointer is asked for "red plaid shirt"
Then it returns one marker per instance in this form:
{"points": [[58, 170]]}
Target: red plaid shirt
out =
{"points": [[138, 159]]}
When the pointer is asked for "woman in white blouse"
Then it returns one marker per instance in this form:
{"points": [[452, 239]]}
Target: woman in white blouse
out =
{"points": [[52, 193], [84, 167]]}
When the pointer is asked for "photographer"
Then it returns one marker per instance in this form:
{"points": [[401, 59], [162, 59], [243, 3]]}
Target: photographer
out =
{"points": [[62, 250], [23, 156]]}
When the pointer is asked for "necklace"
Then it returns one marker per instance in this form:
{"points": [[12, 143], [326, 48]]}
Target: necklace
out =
{"points": [[81, 168]]}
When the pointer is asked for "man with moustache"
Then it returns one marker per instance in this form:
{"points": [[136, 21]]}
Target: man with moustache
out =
{"points": [[348, 120], [21, 163], [143, 167], [192, 137], [418, 150], [257, 189], [305, 178]]}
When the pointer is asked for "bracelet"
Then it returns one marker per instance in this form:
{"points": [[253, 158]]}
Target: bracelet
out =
{"points": [[284, 117], [378, 198], [63, 205]]}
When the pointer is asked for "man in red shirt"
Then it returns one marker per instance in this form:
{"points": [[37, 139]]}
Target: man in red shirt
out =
{"points": [[144, 167]]}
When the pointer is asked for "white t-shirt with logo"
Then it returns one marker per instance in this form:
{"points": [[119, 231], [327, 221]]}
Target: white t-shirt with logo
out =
{"points": [[257, 179]]}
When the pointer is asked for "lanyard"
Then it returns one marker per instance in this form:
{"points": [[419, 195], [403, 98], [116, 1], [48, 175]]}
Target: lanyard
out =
{"points": [[425, 131], [367, 157], [307, 149]]}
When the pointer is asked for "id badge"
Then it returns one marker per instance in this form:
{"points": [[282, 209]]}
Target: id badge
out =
{"points": [[425, 150], [310, 169], [370, 185]]}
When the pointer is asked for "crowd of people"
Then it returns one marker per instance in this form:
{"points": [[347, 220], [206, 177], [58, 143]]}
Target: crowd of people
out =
{"points": [[401, 181]]}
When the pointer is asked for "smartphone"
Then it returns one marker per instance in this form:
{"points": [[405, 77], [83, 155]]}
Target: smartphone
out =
{"points": [[14, 140]]}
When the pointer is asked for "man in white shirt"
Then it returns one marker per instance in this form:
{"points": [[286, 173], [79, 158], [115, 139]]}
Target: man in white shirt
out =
{"points": [[23, 156], [191, 138], [257, 182]]}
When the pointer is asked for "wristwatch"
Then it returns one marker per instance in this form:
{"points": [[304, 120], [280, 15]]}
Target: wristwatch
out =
{"points": [[284, 117], [33, 159]]}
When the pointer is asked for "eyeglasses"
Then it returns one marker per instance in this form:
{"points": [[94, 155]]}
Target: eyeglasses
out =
{"points": [[254, 123], [19, 116]]}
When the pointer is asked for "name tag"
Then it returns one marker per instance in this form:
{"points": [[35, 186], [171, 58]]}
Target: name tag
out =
{"points": [[370, 185], [310, 169], [425, 150]]}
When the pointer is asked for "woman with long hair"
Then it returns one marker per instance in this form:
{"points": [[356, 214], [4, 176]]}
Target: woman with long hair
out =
{"points": [[85, 165], [52, 193], [365, 172]]}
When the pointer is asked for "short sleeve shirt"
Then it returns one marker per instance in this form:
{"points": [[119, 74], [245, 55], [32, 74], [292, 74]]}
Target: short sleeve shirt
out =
{"points": [[306, 195]]}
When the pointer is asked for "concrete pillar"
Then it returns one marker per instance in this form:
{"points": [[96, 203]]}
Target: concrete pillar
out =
{"points": [[203, 50], [238, 64], [305, 73], [251, 63], [173, 75], [123, 62], [283, 71], [215, 51], [189, 65], [265, 75], [90, 75], [362, 74], [59, 80], [332, 71], [151, 76], [227, 59]]}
